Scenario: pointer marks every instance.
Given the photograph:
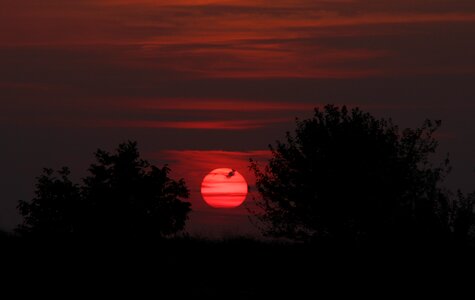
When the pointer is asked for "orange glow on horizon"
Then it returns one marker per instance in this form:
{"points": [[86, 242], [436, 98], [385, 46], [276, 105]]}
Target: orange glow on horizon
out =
{"points": [[224, 188]]}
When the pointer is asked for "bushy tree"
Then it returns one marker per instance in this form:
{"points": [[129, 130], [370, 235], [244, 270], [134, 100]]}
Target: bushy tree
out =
{"points": [[347, 176], [53, 210], [123, 195]]}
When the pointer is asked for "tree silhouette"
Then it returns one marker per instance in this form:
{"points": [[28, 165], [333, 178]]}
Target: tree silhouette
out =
{"points": [[463, 219], [348, 177], [123, 196], [54, 208]]}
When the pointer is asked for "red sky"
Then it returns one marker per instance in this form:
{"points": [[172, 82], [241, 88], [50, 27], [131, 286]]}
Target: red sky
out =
{"points": [[187, 77]]}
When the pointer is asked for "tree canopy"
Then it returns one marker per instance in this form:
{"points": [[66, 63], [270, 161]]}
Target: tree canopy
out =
{"points": [[347, 176], [123, 195]]}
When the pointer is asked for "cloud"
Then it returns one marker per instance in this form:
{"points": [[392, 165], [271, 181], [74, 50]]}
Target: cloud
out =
{"points": [[234, 39], [193, 125], [236, 105]]}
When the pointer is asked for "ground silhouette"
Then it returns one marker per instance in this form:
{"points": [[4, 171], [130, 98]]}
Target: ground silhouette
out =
{"points": [[346, 177], [124, 195]]}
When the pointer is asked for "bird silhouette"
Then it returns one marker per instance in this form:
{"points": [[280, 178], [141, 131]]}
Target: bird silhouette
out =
{"points": [[231, 174]]}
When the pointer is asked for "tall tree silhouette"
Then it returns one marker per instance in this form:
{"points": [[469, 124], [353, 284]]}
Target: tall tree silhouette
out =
{"points": [[349, 177], [123, 195]]}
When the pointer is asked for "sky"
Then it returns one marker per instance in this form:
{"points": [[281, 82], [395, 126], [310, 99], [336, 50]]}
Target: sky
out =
{"points": [[204, 84]]}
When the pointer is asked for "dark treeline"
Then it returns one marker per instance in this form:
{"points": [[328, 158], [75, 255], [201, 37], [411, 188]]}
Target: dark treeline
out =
{"points": [[342, 179], [345, 200], [124, 196]]}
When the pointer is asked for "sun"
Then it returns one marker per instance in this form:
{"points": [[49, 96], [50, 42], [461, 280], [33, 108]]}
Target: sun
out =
{"points": [[224, 188]]}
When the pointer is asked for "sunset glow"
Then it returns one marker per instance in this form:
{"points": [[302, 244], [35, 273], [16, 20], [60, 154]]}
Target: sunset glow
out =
{"points": [[224, 188], [208, 84]]}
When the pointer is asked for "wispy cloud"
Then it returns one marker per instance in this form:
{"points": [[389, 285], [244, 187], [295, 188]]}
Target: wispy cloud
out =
{"points": [[194, 125], [232, 39], [236, 105]]}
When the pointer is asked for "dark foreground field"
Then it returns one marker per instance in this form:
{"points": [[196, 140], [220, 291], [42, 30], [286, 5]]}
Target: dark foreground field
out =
{"points": [[237, 268]]}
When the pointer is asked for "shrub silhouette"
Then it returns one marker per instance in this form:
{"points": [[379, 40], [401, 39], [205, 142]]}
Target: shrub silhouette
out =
{"points": [[347, 177], [123, 195]]}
